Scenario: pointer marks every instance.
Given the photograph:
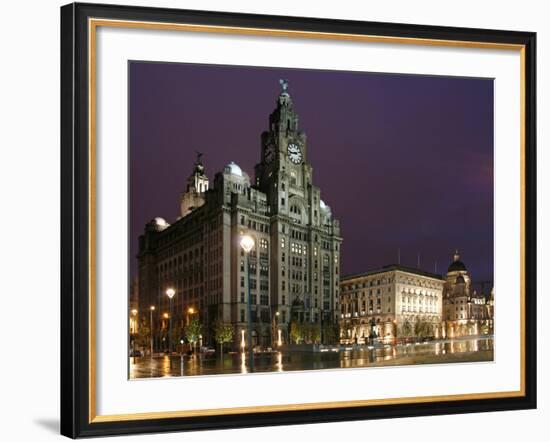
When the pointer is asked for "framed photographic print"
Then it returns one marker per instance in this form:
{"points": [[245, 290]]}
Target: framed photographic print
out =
{"points": [[279, 220]]}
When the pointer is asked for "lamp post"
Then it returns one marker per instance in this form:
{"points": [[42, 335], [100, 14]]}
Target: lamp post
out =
{"points": [[189, 317], [151, 310], [181, 356], [170, 293], [322, 328], [275, 329], [134, 330], [247, 244], [189, 314]]}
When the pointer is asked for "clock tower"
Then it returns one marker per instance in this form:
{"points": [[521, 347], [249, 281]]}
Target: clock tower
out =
{"points": [[283, 156], [305, 238]]}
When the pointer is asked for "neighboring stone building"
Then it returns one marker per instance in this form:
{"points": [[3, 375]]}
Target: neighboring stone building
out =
{"points": [[466, 312], [380, 303], [296, 261]]}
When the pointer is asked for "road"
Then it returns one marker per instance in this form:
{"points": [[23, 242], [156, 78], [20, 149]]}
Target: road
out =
{"points": [[451, 351]]}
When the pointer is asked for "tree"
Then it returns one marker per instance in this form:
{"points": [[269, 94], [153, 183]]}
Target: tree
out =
{"points": [[484, 329], [193, 331], [223, 333], [331, 333], [315, 333], [423, 328], [142, 337], [460, 330], [405, 330], [296, 332]]}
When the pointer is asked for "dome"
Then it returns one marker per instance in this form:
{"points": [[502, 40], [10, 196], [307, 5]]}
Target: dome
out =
{"points": [[325, 210], [233, 169], [457, 265], [160, 222]]}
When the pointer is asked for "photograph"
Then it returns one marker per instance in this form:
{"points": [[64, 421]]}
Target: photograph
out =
{"points": [[285, 219], [275, 220]]}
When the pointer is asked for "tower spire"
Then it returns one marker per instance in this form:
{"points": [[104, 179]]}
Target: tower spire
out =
{"points": [[197, 185], [284, 87]]}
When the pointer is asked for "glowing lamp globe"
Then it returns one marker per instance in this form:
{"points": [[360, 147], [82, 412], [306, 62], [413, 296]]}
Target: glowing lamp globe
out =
{"points": [[247, 243]]}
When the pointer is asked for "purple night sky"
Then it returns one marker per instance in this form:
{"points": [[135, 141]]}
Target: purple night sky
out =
{"points": [[404, 161]]}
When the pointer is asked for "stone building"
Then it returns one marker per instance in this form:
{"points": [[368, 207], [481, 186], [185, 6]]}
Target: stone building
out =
{"points": [[383, 303], [296, 259], [465, 311]]}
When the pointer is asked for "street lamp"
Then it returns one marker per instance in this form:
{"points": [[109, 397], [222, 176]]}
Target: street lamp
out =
{"points": [[133, 327], [275, 329], [151, 310], [181, 357], [190, 311], [170, 293], [134, 330], [247, 244]]}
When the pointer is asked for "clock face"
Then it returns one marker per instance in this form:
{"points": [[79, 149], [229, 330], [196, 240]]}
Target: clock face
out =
{"points": [[294, 153], [269, 153]]}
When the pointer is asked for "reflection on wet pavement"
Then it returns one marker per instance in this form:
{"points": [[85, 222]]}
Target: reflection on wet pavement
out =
{"points": [[463, 350]]}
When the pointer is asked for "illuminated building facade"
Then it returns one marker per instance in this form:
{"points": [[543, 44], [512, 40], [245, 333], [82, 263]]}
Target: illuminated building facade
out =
{"points": [[295, 261], [388, 303], [466, 312]]}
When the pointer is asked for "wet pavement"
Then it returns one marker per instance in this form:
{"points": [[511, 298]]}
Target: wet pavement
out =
{"points": [[450, 351]]}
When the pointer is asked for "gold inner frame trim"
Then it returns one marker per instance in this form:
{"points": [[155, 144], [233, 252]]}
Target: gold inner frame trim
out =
{"points": [[93, 24]]}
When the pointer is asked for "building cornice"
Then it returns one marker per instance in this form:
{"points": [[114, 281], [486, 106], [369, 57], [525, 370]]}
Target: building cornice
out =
{"points": [[392, 268]]}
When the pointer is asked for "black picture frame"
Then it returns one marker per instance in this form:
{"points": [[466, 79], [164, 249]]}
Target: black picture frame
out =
{"points": [[75, 219]]}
